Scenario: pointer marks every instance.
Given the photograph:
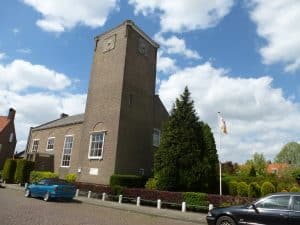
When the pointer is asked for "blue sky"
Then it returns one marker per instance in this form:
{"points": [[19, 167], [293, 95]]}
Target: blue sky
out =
{"points": [[238, 57]]}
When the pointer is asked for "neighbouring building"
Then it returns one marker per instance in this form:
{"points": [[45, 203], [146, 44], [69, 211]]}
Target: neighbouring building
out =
{"points": [[8, 138], [276, 168], [120, 129]]}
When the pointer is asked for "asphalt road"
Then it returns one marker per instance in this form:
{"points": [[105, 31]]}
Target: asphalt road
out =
{"points": [[15, 209]]}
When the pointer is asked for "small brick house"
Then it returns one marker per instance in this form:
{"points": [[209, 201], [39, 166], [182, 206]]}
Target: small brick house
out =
{"points": [[8, 138], [120, 129]]}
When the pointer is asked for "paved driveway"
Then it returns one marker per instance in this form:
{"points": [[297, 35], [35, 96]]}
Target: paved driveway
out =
{"points": [[18, 210]]}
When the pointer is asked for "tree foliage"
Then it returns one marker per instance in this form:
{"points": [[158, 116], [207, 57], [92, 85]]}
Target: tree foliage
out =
{"points": [[290, 154], [186, 159]]}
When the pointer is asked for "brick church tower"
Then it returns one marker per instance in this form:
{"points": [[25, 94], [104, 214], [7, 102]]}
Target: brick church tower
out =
{"points": [[123, 116]]}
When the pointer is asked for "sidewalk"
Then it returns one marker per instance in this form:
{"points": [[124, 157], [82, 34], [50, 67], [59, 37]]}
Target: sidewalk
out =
{"points": [[167, 213]]}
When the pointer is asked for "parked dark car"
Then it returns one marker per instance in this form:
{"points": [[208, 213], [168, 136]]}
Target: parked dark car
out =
{"points": [[275, 209], [50, 189]]}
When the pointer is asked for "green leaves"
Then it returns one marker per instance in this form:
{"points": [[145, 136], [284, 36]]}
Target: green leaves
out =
{"points": [[187, 157]]}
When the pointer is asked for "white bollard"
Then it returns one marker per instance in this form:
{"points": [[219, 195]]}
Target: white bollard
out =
{"points": [[26, 185], [77, 193], [210, 207], [138, 201], [120, 199], [89, 194], [183, 207], [158, 203], [103, 196]]}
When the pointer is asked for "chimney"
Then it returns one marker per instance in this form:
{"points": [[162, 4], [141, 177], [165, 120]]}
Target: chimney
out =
{"points": [[63, 115], [11, 114]]}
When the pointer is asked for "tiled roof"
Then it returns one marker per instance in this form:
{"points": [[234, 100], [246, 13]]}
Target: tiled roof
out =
{"points": [[3, 122], [69, 120]]}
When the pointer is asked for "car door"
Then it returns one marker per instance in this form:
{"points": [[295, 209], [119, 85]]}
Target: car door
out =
{"points": [[273, 210], [294, 215], [39, 188]]}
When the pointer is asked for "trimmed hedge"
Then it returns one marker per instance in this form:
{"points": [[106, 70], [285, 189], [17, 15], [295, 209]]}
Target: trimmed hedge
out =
{"points": [[36, 176], [127, 181], [242, 189], [233, 188], [71, 177], [9, 170], [23, 169], [267, 188], [254, 190], [195, 198]]}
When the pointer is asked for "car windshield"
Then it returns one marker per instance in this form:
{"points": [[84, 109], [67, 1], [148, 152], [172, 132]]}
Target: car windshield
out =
{"points": [[57, 182]]}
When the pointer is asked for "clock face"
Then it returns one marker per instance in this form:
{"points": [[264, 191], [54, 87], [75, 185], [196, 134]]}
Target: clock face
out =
{"points": [[143, 47], [109, 43]]}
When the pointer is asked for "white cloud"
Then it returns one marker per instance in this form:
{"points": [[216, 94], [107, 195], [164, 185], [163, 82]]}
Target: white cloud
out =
{"points": [[175, 45], [2, 55], [178, 15], [35, 106], [15, 30], [62, 15], [258, 117], [165, 64], [24, 50], [20, 75], [278, 23]]}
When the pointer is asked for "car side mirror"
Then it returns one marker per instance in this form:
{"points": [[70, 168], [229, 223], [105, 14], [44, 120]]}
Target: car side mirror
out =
{"points": [[254, 207]]}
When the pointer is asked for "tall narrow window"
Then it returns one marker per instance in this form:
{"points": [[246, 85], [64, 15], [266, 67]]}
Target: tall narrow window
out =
{"points": [[50, 144], [96, 145], [156, 137], [11, 137], [67, 151], [35, 145]]}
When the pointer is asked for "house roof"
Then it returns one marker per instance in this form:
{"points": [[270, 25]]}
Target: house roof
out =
{"points": [[69, 120], [4, 121]]}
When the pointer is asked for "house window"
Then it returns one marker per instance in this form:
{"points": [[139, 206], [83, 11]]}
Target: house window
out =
{"points": [[96, 145], [50, 144], [11, 137], [156, 137], [35, 145], [67, 151]]}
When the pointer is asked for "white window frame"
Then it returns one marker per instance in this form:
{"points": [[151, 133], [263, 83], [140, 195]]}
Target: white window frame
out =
{"points": [[63, 151], [47, 144], [90, 145], [159, 132], [11, 137], [34, 140]]}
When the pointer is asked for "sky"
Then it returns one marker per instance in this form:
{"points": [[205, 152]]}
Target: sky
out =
{"points": [[237, 57]]}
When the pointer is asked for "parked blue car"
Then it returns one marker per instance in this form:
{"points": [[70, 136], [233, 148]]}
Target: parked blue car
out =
{"points": [[50, 189]]}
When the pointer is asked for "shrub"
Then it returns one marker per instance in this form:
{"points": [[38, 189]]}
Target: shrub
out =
{"points": [[117, 190], [194, 198], [254, 190], [233, 188], [71, 177], [23, 169], [267, 188], [242, 189], [9, 170], [151, 184], [127, 181], [36, 176], [295, 189]]}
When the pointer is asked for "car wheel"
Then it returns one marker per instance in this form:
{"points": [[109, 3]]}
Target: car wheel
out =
{"points": [[47, 197], [225, 220], [27, 193]]}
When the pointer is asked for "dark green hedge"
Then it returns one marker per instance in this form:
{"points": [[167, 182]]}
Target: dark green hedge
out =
{"points": [[195, 198], [127, 181], [9, 170], [23, 169], [36, 176]]}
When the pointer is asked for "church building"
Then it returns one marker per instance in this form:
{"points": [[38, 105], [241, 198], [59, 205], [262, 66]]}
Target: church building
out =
{"points": [[120, 128]]}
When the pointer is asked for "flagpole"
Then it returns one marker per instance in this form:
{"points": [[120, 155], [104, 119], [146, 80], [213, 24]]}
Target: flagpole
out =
{"points": [[220, 164]]}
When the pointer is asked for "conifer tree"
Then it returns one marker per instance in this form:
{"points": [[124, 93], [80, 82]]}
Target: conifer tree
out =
{"points": [[187, 153]]}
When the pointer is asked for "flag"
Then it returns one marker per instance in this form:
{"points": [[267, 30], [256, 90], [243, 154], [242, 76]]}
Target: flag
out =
{"points": [[222, 125]]}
